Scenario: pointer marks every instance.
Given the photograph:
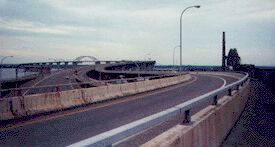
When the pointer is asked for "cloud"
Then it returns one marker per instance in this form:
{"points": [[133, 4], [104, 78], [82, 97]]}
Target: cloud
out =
{"points": [[131, 29], [36, 27]]}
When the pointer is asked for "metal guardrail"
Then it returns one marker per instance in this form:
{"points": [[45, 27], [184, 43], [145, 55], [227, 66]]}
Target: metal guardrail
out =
{"points": [[110, 137]]}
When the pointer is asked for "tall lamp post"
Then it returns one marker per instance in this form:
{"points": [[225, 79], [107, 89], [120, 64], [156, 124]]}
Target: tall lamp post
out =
{"points": [[174, 54], [1, 63], [196, 6]]}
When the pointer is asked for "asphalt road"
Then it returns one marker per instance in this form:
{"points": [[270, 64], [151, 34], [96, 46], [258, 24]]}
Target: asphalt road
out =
{"points": [[72, 126], [66, 79], [65, 76]]}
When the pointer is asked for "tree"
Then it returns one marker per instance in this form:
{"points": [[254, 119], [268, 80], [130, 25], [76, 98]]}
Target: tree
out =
{"points": [[233, 58]]}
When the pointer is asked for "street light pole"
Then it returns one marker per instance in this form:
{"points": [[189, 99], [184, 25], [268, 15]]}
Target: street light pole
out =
{"points": [[1, 63], [174, 55], [196, 6]]}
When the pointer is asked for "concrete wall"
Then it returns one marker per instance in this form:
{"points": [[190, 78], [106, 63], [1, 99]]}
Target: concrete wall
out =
{"points": [[209, 126], [17, 107]]}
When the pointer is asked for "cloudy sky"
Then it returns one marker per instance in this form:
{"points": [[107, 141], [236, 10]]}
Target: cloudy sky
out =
{"points": [[43, 30]]}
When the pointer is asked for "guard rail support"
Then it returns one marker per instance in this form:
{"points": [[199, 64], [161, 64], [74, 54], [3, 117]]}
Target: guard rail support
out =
{"points": [[187, 116], [238, 87], [230, 92], [215, 100]]}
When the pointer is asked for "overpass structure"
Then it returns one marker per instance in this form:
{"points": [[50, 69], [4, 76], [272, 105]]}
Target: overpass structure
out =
{"points": [[47, 66], [82, 76]]}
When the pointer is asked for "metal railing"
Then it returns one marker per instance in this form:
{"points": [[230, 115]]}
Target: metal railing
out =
{"points": [[110, 137]]}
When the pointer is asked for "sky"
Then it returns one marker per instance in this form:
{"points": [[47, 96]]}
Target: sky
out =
{"points": [[48, 30]]}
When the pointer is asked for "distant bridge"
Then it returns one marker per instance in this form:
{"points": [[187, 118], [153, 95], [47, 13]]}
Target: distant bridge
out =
{"points": [[82, 57], [55, 64]]}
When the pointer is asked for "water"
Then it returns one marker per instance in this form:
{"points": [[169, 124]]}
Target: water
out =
{"points": [[9, 73]]}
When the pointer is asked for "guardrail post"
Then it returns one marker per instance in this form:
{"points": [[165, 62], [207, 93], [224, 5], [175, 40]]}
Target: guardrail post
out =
{"points": [[57, 89], [187, 116], [215, 100], [229, 92]]}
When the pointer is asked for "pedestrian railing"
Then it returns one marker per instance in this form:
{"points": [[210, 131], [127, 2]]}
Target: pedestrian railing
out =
{"points": [[110, 137]]}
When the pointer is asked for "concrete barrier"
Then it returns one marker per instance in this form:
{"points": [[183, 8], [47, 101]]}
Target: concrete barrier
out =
{"points": [[141, 86], [209, 126], [165, 82], [71, 98], [46, 102], [99, 93], [149, 85], [5, 110], [183, 78], [18, 107], [173, 80], [89, 95], [156, 84], [128, 88], [114, 91], [34, 104]]}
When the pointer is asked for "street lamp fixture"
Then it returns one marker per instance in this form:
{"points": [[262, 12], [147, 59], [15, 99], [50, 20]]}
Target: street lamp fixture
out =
{"points": [[2, 60], [1, 63], [195, 6]]}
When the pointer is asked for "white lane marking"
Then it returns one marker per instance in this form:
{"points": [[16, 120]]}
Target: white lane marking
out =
{"points": [[215, 76], [224, 81]]}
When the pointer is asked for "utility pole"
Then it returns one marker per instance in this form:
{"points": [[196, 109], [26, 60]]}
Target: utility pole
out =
{"points": [[223, 51]]}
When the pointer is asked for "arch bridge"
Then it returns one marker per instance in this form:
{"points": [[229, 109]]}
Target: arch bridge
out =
{"points": [[82, 57]]}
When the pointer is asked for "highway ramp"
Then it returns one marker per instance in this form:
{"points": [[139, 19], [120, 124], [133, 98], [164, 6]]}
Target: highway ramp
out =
{"points": [[64, 128]]}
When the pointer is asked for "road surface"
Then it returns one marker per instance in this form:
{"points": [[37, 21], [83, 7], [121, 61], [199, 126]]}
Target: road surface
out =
{"points": [[64, 77], [68, 127]]}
